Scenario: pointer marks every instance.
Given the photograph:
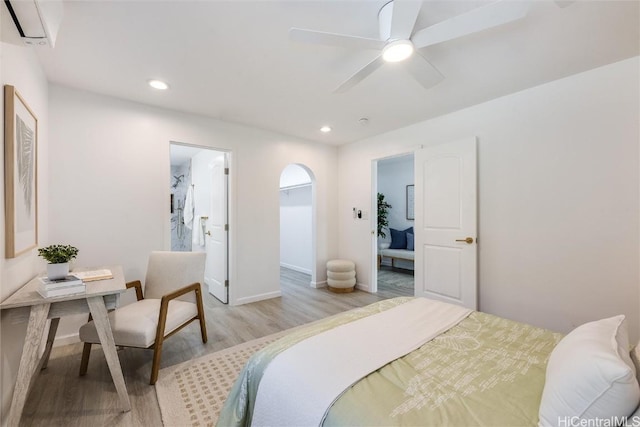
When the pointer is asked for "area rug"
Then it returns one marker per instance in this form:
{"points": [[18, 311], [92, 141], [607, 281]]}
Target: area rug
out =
{"points": [[192, 393], [392, 278]]}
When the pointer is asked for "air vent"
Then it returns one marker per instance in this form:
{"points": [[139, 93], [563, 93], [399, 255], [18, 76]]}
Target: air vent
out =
{"points": [[37, 21]]}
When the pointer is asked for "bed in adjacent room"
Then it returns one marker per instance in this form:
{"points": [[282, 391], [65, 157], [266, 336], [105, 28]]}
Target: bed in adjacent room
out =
{"points": [[413, 361]]}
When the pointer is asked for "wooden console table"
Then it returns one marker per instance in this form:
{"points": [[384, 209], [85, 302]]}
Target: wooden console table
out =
{"points": [[26, 304]]}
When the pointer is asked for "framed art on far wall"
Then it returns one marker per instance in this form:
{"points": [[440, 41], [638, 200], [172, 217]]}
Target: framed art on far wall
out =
{"points": [[410, 202], [20, 174]]}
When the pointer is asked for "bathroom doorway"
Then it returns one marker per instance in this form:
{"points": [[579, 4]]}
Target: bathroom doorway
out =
{"points": [[199, 210]]}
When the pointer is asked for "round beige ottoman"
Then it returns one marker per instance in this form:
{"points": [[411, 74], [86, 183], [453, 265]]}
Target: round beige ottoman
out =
{"points": [[341, 275]]}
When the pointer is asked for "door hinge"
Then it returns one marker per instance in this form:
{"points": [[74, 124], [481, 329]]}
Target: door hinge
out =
{"points": [[226, 283], [226, 171], [226, 227]]}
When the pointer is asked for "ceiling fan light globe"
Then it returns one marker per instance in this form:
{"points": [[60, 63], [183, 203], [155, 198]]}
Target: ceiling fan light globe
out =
{"points": [[397, 51]]}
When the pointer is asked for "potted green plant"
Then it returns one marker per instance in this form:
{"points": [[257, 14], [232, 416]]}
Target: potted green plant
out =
{"points": [[58, 257], [383, 212]]}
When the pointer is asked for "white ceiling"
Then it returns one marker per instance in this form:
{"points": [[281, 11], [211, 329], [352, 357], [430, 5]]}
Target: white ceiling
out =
{"points": [[232, 60]]}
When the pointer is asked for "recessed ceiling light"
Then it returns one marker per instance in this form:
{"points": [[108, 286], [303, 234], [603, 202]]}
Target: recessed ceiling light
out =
{"points": [[397, 51], [325, 129], [158, 84]]}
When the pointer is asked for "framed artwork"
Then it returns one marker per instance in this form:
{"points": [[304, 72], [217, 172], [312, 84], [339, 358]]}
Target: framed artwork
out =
{"points": [[410, 202], [20, 174]]}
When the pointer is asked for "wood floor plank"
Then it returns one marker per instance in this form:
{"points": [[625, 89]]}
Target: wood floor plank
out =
{"points": [[61, 397]]}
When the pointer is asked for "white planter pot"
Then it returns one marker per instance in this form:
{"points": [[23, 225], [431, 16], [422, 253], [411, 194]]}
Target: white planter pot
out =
{"points": [[57, 271]]}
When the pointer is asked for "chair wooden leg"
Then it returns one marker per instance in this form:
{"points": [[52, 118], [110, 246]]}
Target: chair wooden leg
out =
{"points": [[86, 352], [203, 325], [84, 363], [157, 355], [157, 347], [52, 335]]}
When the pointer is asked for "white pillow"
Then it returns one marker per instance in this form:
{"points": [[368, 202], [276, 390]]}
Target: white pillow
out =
{"points": [[590, 375]]}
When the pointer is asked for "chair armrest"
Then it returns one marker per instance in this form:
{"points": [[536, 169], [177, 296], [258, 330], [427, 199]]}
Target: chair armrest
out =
{"points": [[136, 284], [177, 293], [164, 305]]}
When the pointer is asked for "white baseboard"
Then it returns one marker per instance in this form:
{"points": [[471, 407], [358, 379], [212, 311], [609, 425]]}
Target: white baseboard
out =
{"points": [[257, 298], [317, 285], [363, 287], [66, 340], [295, 268]]}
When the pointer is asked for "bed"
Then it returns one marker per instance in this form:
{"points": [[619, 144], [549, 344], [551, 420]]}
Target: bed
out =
{"points": [[473, 368]]}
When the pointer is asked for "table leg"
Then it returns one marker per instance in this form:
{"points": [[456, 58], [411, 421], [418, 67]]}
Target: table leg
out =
{"points": [[28, 362], [53, 328], [101, 321]]}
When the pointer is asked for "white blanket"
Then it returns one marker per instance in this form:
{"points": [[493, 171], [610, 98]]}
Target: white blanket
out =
{"points": [[302, 382]]}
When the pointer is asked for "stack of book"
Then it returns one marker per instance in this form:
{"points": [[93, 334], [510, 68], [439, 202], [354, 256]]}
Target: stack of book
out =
{"points": [[69, 285], [92, 275]]}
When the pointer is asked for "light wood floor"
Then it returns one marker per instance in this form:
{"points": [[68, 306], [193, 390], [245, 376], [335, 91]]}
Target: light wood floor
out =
{"points": [[60, 397]]}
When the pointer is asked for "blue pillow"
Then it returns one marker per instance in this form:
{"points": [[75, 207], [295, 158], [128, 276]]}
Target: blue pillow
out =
{"points": [[409, 241], [399, 238]]}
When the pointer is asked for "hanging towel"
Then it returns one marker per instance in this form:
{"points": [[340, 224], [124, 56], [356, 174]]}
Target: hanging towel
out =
{"points": [[188, 208], [198, 231]]}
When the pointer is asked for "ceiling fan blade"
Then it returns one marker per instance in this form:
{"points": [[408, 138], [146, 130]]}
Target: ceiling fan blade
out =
{"points": [[423, 71], [404, 15], [360, 75], [331, 39], [482, 18]]}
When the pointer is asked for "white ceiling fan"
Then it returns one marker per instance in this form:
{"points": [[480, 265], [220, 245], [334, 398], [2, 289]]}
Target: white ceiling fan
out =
{"points": [[399, 40]]}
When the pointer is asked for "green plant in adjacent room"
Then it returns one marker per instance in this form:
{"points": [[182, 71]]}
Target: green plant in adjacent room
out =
{"points": [[383, 212], [58, 254]]}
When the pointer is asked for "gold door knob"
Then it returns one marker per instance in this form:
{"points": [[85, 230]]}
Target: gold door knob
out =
{"points": [[468, 240], [208, 233]]}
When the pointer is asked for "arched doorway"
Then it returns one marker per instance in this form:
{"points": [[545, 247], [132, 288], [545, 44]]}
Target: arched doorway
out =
{"points": [[298, 224]]}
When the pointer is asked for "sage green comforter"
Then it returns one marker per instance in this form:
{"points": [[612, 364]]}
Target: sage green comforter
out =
{"points": [[485, 371]]}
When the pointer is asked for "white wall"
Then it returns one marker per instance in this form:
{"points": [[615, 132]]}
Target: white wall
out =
{"points": [[119, 152], [20, 67], [558, 196], [295, 229], [296, 219], [294, 175]]}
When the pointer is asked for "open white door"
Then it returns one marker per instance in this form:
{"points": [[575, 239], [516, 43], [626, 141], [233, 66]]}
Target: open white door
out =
{"points": [[215, 272], [446, 223]]}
